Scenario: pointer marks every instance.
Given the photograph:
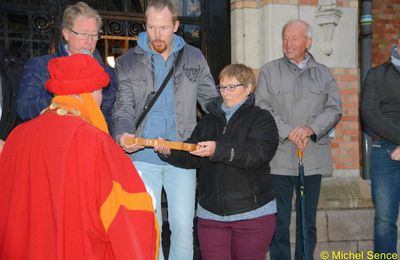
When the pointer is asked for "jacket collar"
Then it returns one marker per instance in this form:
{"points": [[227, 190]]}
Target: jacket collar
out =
{"points": [[146, 59], [214, 106], [395, 58], [311, 63], [61, 52]]}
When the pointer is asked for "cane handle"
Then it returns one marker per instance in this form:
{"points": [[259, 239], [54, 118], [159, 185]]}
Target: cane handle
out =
{"points": [[300, 153]]}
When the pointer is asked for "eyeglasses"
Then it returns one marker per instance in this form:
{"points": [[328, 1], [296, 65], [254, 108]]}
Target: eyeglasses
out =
{"points": [[230, 87], [85, 36]]}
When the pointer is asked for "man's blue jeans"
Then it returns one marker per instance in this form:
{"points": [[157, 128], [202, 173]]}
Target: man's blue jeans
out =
{"points": [[385, 184], [180, 186]]}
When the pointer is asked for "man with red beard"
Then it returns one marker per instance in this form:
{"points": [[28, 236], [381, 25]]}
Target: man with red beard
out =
{"points": [[140, 73]]}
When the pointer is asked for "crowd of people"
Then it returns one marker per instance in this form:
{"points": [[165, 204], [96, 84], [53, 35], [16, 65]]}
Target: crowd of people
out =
{"points": [[74, 187]]}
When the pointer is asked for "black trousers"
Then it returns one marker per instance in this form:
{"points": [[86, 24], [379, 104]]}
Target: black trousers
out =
{"points": [[284, 187]]}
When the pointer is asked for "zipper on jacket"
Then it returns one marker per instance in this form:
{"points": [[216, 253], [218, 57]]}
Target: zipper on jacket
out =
{"points": [[223, 131], [232, 155]]}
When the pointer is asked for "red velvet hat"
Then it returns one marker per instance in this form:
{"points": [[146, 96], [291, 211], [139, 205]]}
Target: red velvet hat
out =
{"points": [[75, 74]]}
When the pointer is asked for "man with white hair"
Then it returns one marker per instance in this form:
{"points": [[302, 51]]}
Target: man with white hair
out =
{"points": [[304, 99]]}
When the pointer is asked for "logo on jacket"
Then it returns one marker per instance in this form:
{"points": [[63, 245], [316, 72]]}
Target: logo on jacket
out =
{"points": [[192, 73]]}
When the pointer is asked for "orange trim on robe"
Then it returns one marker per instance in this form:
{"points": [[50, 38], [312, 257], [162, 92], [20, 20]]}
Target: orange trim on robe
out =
{"points": [[132, 201], [85, 104]]}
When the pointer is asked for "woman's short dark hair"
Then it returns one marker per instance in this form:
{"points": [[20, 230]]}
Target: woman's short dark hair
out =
{"points": [[241, 72]]}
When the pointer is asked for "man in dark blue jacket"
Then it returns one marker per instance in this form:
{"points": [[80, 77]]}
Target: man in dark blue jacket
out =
{"points": [[80, 28]]}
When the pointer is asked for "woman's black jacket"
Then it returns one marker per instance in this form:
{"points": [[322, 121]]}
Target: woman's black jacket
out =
{"points": [[236, 178]]}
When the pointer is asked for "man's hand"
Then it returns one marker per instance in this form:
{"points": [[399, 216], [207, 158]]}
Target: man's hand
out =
{"points": [[299, 133], [129, 148], [395, 155], [299, 136], [162, 149], [1, 145], [205, 149], [302, 144]]}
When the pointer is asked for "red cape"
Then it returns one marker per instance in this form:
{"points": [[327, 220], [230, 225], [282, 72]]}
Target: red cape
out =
{"points": [[68, 192]]}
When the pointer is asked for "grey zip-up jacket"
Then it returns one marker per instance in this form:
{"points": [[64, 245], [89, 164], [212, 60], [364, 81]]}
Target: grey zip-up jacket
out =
{"points": [[192, 82], [308, 97]]}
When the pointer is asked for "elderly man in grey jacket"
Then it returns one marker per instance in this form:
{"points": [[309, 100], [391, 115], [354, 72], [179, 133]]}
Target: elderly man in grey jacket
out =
{"points": [[304, 99]]}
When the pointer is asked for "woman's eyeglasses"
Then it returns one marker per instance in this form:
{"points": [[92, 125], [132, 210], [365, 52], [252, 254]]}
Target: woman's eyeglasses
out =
{"points": [[230, 87]]}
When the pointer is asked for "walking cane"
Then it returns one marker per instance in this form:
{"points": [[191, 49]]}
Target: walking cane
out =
{"points": [[302, 197]]}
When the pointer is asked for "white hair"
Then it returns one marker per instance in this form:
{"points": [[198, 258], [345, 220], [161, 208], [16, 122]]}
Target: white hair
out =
{"points": [[308, 28]]}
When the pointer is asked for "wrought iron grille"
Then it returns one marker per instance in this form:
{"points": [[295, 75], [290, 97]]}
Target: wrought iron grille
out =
{"points": [[27, 33]]}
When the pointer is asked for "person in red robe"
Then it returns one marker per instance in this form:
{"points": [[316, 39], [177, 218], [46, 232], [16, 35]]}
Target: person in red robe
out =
{"points": [[68, 191]]}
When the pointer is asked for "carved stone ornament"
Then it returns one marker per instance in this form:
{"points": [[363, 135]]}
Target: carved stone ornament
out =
{"points": [[327, 17]]}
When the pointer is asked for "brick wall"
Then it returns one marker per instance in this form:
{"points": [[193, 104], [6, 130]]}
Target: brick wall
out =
{"points": [[385, 25], [346, 145]]}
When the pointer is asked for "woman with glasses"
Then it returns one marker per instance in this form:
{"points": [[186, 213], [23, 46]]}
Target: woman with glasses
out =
{"points": [[236, 142]]}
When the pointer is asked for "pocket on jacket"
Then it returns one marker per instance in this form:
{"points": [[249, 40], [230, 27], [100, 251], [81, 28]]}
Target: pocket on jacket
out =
{"points": [[318, 89], [383, 146], [323, 140], [316, 100], [238, 187], [277, 89]]}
